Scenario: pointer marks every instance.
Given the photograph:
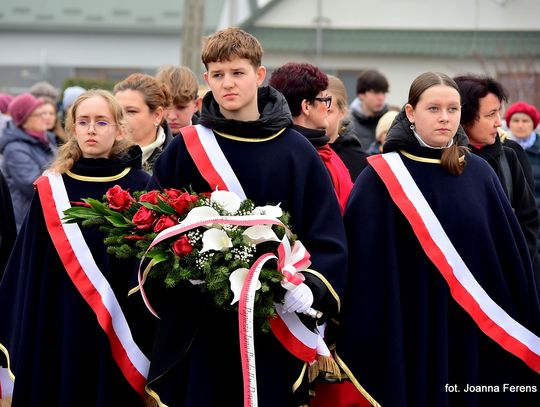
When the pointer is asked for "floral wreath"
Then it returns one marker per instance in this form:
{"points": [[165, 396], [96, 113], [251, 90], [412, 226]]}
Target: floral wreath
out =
{"points": [[214, 256]]}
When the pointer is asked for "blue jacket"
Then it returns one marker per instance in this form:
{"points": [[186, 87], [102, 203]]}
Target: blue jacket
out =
{"points": [[24, 158]]}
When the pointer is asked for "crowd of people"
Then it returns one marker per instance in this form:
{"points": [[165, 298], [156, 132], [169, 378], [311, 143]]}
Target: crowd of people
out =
{"points": [[421, 223]]}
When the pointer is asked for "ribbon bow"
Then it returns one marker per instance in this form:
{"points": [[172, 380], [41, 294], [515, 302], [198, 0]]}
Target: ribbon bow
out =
{"points": [[291, 262]]}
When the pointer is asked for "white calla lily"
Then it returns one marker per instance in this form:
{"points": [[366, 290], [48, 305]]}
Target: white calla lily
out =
{"points": [[229, 201], [260, 233], [200, 213], [215, 239], [269, 210], [237, 278]]}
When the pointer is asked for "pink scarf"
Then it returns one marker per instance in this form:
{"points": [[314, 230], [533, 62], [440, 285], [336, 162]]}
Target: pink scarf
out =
{"points": [[41, 136]]}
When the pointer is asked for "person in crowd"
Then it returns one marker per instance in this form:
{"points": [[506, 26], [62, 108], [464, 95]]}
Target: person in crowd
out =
{"points": [[369, 105], [381, 130], [27, 148], [62, 298], [251, 125], [522, 119], [52, 120], [342, 141], [5, 100], [482, 98], [304, 87], [44, 89], [70, 94], [437, 254], [145, 100], [184, 88]]}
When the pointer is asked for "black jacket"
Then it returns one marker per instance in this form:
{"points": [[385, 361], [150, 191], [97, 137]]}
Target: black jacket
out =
{"points": [[349, 149], [517, 188]]}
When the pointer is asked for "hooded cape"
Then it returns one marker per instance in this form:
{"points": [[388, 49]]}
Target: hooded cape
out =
{"points": [[58, 352], [404, 338], [195, 359]]}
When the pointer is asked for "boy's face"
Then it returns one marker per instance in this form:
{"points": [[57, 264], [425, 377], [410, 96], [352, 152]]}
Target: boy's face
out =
{"points": [[180, 115], [234, 85]]}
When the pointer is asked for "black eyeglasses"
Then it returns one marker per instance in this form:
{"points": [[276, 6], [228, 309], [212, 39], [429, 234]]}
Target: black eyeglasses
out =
{"points": [[326, 100]]}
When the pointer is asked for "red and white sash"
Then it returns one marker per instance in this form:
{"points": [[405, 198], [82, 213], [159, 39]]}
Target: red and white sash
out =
{"points": [[90, 282], [289, 330], [210, 160], [494, 321]]}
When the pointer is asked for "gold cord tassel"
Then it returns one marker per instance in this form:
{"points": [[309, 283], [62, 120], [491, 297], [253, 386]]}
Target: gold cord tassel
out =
{"points": [[328, 365], [313, 371]]}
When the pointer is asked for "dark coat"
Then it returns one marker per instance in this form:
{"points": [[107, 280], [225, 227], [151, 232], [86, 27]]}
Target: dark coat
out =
{"points": [[521, 196], [364, 126], [59, 354], [349, 149], [404, 337], [8, 230], [195, 359]]}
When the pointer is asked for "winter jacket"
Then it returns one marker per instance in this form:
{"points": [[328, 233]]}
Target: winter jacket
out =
{"points": [[24, 160]]}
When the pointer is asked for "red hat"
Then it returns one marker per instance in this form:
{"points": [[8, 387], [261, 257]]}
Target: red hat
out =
{"points": [[22, 106], [5, 99], [523, 107]]}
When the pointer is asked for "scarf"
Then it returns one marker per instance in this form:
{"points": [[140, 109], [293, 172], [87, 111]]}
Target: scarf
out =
{"points": [[341, 178], [149, 149]]}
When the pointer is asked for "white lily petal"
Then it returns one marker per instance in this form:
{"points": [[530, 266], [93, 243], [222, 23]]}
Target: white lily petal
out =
{"points": [[269, 210], [237, 278], [260, 233], [215, 239], [229, 201], [200, 213]]}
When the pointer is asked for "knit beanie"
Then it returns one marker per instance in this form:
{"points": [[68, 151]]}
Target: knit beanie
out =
{"points": [[22, 106], [523, 107], [70, 96], [5, 100], [384, 123]]}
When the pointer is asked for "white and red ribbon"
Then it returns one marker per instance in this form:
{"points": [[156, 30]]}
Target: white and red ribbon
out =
{"points": [[494, 321], [291, 262], [90, 282]]}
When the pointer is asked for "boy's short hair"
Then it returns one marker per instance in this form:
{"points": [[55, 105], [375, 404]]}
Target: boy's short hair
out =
{"points": [[298, 81], [181, 81], [229, 43], [371, 79]]}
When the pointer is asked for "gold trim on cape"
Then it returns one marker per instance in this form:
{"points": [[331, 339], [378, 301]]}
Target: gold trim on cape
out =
{"points": [[327, 284], [98, 179], [354, 381], [250, 140]]}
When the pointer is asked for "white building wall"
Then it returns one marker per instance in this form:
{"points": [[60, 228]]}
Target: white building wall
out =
{"points": [[88, 50], [407, 14]]}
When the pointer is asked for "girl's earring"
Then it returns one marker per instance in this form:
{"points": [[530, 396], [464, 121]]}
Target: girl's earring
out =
{"points": [[412, 126]]}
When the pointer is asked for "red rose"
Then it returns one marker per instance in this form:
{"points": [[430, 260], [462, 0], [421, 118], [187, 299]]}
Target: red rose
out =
{"points": [[118, 198], [164, 222], [206, 194], [173, 193], [183, 203], [150, 197], [182, 247], [144, 218]]}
